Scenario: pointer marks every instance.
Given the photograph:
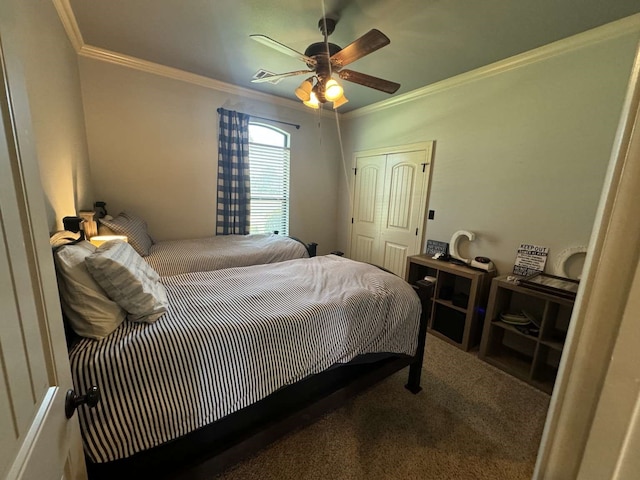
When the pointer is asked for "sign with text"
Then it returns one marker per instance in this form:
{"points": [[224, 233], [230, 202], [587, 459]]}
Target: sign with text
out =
{"points": [[434, 246], [530, 259]]}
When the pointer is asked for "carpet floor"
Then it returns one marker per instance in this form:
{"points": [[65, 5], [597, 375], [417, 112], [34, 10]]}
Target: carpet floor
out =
{"points": [[471, 421]]}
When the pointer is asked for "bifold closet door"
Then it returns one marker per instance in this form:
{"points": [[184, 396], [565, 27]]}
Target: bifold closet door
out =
{"points": [[403, 209], [390, 197], [367, 209]]}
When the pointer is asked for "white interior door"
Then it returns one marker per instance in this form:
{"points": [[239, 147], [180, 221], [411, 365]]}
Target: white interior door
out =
{"points": [[390, 198], [36, 439], [367, 209], [404, 206]]}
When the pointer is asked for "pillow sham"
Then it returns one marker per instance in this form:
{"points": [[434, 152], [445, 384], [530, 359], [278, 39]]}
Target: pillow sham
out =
{"points": [[128, 280], [135, 229], [90, 312]]}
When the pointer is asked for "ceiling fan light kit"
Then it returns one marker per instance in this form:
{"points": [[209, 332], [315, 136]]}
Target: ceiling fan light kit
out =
{"points": [[312, 102], [340, 101], [303, 92], [332, 90], [323, 59]]}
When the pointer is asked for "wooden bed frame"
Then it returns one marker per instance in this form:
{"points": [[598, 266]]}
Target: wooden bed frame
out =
{"points": [[215, 447], [311, 247]]}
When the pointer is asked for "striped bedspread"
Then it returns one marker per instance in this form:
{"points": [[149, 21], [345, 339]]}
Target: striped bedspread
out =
{"points": [[174, 257], [230, 338]]}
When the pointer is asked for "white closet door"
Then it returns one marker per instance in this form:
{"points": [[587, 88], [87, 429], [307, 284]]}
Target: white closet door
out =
{"points": [[403, 212], [389, 204], [367, 209]]}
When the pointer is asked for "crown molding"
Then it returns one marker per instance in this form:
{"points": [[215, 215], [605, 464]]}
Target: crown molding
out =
{"points": [[127, 61], [605, 32], [69, 23], [608, 31], [68, 19]]}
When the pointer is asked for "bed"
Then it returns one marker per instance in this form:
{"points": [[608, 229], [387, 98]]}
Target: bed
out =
{"points": [[235, 353], [173, 257]]}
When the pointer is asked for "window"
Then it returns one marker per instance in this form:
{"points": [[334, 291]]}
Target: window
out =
{"points": [[269, 164]]}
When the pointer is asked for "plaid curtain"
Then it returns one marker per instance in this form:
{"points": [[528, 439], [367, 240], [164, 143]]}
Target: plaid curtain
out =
{"points": [[233, 211]]}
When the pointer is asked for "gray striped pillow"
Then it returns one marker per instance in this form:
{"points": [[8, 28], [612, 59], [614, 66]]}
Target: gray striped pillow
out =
{"points": [[134, 227], [128, 280]]}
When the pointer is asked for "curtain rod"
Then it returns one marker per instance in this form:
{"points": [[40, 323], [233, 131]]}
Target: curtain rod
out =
{"points": [[271, 120]]}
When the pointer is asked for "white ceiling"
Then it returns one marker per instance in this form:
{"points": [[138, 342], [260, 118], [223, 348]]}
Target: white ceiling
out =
{"points": [[430, 39]]}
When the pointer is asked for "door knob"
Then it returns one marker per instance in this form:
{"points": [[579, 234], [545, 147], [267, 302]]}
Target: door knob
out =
{"points": [[73, 401]]}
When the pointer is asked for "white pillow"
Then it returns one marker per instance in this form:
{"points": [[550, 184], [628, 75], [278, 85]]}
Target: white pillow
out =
{"points": [[128, 280], [90, 312]]}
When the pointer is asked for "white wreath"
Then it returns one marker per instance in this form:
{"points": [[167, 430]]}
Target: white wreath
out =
{"points": [[563, 257]]}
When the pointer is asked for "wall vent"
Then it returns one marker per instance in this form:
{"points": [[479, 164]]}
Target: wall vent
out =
{"points": [[265, 73]]}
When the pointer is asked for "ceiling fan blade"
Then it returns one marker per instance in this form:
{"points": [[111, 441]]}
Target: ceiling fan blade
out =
{"points": [[369, 81], [282, 48], [366, 44], [268, 78]]}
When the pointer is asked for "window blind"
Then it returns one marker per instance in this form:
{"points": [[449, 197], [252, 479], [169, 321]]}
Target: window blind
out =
{"points": [[269, 188]]}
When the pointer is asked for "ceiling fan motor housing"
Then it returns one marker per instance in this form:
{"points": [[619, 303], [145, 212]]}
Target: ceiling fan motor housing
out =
{"points": [[318, 51], [320, 48]]}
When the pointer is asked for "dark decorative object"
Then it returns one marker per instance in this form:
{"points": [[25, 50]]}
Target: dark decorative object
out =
{"points": [[72, 224], [100, 209]]}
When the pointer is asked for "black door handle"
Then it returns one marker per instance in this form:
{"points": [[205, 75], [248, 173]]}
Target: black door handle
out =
{"points": [[73, 401]]}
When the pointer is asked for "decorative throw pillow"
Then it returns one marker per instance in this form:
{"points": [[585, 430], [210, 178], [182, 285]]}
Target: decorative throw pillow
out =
{"points": [[128, 280], [90, 312], [134, 227]]}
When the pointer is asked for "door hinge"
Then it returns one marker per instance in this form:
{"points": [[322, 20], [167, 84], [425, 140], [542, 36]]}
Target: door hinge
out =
{"points": [[355, 171], [351, 219], [416, 231], [424, 166]]}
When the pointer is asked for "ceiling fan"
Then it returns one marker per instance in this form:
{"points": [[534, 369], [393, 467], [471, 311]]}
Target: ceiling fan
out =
{"points": [[324, 59]]}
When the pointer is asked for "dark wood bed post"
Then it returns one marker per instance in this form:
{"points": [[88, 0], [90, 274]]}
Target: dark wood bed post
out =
{"points": [[415, 368], [312, 248]]}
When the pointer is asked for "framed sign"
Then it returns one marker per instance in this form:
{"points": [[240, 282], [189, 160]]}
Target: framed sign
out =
{"points": [[434, 246], [530, 259]]}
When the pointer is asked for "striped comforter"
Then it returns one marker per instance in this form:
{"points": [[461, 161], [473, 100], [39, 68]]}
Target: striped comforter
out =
{"points": [[230, 338], [174, 257]]}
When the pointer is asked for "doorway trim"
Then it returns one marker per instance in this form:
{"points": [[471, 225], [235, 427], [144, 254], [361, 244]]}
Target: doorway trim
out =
{"points": [[611, 263]]}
